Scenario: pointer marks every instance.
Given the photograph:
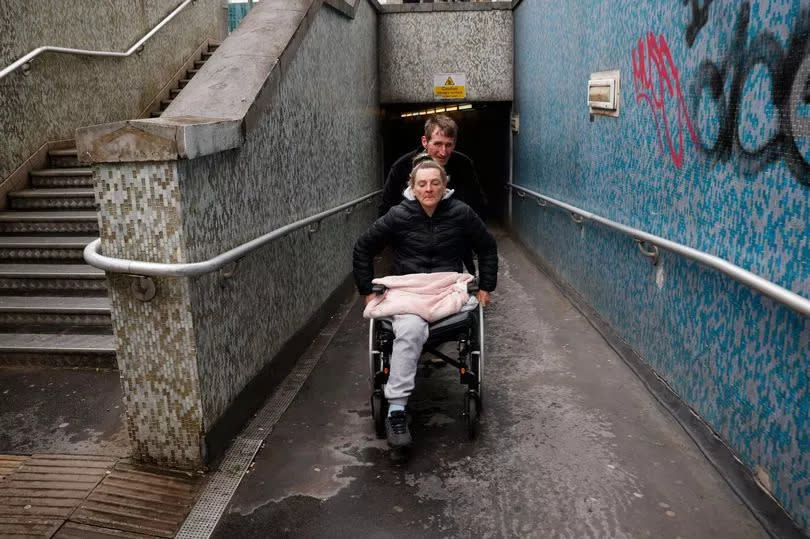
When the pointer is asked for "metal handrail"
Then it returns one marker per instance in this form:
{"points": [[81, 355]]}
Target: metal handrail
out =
{"points": [[93, 256], [782, 295], [26, 60]]}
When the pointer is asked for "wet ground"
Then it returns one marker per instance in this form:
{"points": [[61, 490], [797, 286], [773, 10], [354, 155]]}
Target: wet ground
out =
{"points": [[570, 444], [61, 410]]}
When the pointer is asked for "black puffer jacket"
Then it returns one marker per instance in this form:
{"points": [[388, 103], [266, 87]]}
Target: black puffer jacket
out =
{"points": [[423, 244], [461, 178]]}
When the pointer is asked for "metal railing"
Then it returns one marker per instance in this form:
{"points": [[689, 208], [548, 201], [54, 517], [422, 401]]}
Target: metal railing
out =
{"points": [[25, 61], [782, 295], [93, 256]]}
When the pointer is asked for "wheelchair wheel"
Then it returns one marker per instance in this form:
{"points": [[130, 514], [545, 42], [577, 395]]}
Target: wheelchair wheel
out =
{"points": [[378, 412], [471, 413]]}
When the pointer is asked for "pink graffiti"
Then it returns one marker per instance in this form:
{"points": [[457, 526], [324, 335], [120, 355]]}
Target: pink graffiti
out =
{"points": [[656, 81]]}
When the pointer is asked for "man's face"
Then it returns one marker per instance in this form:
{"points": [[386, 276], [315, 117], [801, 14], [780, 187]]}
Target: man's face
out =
{"points": [[439, 147]]}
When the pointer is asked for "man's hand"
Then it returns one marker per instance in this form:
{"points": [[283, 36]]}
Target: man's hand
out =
{"points": [[483, 297], [369, 298]]}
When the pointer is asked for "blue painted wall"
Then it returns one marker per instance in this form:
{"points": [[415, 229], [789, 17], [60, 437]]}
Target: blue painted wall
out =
{"points": [[711, 149]]}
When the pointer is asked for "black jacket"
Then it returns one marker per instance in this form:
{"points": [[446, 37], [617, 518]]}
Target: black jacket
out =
{"points": [[461, 174], [423, 244]]}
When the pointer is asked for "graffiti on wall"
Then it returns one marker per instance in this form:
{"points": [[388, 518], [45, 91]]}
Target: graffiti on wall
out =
{"points": [[724, 83], [657, 82], [700, 16]]}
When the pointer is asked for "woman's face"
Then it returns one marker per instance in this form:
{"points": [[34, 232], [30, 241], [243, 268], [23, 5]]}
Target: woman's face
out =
{"points": [[428, 188]]}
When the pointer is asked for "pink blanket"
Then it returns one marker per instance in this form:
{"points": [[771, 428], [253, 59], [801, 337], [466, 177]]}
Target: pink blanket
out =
{"points": [[432, 296]]}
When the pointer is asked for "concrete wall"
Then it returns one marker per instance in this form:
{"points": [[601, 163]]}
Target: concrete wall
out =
{"points": [[420, 40], [710, 150], [254, 142], [63, 92]]}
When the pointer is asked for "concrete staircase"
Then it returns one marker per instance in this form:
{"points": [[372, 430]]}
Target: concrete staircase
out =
{"points": [[54, 308]]}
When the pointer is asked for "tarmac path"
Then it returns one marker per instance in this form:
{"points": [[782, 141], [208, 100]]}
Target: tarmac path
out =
{"points": [[571, 444]]}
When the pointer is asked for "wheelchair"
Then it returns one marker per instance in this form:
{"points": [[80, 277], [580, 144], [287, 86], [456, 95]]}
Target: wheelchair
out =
{"points": [[465, 328]]}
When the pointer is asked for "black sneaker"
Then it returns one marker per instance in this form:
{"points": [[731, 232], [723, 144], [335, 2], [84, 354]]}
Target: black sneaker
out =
{"points": [[396, 430]]}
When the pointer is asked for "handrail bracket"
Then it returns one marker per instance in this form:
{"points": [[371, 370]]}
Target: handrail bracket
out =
{"points": [[653, 253]]}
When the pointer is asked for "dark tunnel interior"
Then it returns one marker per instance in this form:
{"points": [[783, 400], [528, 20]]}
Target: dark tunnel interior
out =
{"points": [[484, 131]]}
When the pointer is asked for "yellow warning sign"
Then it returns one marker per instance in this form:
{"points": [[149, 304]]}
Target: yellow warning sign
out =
{"points": [[450, 92], [449, 86]]}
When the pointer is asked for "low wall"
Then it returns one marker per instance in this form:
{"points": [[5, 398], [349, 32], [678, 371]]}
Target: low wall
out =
{"points": [[280, 124], [676, 164], [62, 92]]}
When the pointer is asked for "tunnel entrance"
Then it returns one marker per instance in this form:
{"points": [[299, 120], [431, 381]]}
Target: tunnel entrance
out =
{"points": [[484, 131]]}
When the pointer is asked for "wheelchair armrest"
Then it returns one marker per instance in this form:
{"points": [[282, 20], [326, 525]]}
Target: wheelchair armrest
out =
{"points": [[378, 289]]}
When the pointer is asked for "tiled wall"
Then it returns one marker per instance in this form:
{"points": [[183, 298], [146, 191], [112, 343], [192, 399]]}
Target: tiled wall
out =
{"points": [[63, 92], [416, 45], [711, 149], [316, 148], [155, 352]]}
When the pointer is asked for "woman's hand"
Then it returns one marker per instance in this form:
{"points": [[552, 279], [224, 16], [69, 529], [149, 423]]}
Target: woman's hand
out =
{"points": [[483, 297], [368, 299]]}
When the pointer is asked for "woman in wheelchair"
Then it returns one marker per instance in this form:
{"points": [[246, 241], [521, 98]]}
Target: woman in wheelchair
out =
{"points": [[429, 232]]}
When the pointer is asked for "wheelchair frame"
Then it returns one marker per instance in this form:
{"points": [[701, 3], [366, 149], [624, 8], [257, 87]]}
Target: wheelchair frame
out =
{"points": [[470, 364]]}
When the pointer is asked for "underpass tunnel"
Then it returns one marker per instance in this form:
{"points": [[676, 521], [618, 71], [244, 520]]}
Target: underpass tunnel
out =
{"points": [[483, 135]]}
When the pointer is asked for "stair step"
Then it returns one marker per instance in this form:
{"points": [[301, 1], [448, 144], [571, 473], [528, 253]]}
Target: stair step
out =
{"points": [[50, 342], [199, 63], [174, 92], [154, 114], [63, 350], [53, 192], [53, 198], [192, 72], [66, 171], [43, 247], [54, 305], [64, 152], [182, 82], [62, 177], [213, 46], [165, 103], [54, 312], [67, 157], [50, 271], [51, 279], [62, 221]]}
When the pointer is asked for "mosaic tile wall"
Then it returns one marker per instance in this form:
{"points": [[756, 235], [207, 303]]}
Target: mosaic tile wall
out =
{"points": [[710, 150], [64, 92], [315, 148], [156, 352], [414, 46]]}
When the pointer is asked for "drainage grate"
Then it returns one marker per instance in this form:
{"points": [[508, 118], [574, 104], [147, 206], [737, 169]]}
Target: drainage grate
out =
{"points": [[222, 484]]}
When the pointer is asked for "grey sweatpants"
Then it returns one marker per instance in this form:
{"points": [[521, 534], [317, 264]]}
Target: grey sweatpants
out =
{"points": [[410, 333]]}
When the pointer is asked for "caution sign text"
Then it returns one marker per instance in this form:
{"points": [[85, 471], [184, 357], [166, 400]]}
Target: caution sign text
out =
{"points": [[449, 86]]}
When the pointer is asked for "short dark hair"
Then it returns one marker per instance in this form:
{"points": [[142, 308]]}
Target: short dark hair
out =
{"points": [[443, 123]]}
